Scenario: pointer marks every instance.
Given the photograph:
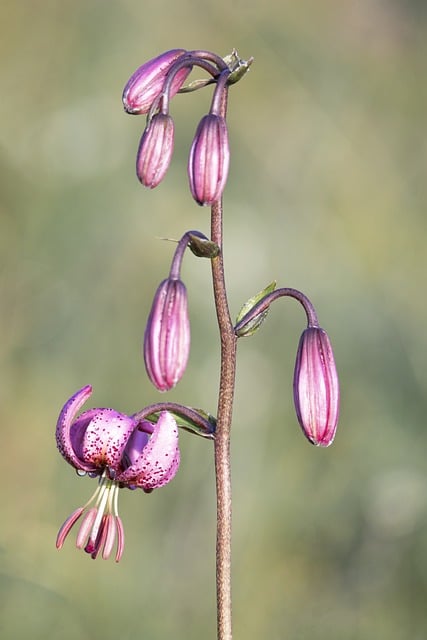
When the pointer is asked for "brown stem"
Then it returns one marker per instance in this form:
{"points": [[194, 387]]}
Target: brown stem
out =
{"points": [[224, 417], [222, 435]]}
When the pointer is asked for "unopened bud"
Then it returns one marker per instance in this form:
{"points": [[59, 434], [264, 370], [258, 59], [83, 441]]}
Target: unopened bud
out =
{"points": [[155, 150], [209, 160], [145, 85], [167, 335], [316, 387]]}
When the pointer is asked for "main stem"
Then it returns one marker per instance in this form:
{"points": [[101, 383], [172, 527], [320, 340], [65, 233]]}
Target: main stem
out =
{"points": [[222, 435], [224, 417]]}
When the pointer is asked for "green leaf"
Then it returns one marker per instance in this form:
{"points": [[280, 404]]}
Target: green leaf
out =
{"points": [[202, 247], [237, 66], [186, 423], [254, 323], [196, 84], [252, 302]]}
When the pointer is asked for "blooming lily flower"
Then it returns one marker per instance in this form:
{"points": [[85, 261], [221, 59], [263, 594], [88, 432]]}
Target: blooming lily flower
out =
{"points": [[123, 452]]}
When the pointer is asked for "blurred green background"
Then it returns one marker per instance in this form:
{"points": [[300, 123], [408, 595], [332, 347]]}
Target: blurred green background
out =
{"points": [[326, 193]]}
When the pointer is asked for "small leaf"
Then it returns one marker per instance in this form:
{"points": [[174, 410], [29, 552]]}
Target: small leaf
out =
{"points": [[196, 84], [189, 425], [248, 328], [202, 247], [237, 66], [252, 326], [252, 302]]}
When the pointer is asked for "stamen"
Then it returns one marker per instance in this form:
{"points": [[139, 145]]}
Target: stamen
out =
{"points": [[115, 508], [120, 538], [100, 539], [101, 525], [67, 526], [100, 506], [85, 527], [110, 537]]}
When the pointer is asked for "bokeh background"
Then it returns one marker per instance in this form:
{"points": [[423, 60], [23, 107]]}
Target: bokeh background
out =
{"points": [[326, 193]]}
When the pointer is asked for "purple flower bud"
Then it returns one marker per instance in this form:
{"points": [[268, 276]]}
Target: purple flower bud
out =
{"points": [[155, 150], [209, 160], [147, 82], [316, 387], [167, 335]]}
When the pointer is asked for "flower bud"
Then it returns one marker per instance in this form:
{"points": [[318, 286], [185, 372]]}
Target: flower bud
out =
{"points": [[209, 160], [146, 83], [167, 335], [155, 150], [316, 387]]}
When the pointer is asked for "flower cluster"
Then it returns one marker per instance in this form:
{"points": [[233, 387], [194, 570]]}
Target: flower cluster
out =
{"points": [[140, 451], [149, 91]]}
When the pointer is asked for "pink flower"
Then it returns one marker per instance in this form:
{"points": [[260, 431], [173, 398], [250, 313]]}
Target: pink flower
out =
{"points": [[316, 387], [209, 160], [155, 150], [122, 452], [167, 335], [146, 84]]}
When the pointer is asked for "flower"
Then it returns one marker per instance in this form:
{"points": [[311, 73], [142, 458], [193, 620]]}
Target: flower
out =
{"points": [[316, 387], [209, 160], [146, 84], [167, 335], [123, 452], [155, 150]]}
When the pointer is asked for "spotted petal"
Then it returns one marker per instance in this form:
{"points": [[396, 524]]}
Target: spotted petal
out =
{"points": [[99, 437], [159, 459]]}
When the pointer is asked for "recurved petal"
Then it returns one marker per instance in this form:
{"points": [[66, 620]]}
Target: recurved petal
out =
{"points": [[63, 428], [159, 460]]}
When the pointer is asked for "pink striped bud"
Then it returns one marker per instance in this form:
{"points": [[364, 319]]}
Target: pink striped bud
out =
{"points": [[316, 387], [167, 335], [209, 160], [155, 150], [146, 84]]}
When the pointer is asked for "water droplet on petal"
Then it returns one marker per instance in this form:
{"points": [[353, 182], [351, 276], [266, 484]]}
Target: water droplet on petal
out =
{"points": [[92, 474], [111, 473], [80, 472]]}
